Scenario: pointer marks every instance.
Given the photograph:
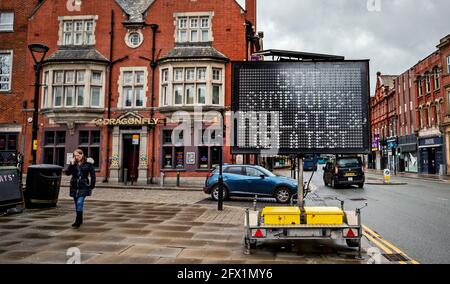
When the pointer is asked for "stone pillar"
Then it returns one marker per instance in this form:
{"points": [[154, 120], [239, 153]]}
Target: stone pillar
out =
{"points": [[143, 158], [115, 156]]}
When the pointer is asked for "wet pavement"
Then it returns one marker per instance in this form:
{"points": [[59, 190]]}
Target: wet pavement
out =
{"points": [[151, 233]]}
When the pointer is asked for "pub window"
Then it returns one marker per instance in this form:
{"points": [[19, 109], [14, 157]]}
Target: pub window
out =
{"points": [[203, 158], [134, 83], [168, 157], [167, 137], [89, 142], [173, 157], [78, 32], [194, 29], [69, 88], [179, 157], [54, 148], [215, 157], [192, 86]]}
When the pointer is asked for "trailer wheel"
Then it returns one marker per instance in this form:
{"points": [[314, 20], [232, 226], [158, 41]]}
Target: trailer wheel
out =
{"points": [[252, 243], [352, 243]]}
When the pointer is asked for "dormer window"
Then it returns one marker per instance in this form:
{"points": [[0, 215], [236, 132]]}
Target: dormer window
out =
{"points": [[193, 27]]}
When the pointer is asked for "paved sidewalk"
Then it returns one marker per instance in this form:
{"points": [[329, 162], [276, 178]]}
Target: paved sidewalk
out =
{"points": [[438, 178], [150, 233]]}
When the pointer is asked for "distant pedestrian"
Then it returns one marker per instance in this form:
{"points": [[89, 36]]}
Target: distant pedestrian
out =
{"points": [[80, 186]]}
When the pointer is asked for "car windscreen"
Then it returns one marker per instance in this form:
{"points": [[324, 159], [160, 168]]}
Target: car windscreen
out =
{"points": [[349, 163]]}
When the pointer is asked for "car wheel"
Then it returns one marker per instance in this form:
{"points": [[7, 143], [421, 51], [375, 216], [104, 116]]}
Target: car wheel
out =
{"points": [[352, 243], [333, 184], [361, 185], [283, 195], [215, 193]]}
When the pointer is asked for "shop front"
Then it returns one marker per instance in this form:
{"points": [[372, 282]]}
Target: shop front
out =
{"points": [[392, 143], [407, 150], [432, 155]]}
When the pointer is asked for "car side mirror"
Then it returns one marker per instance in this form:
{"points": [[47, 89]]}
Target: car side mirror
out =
{"points": [[263, 176]]}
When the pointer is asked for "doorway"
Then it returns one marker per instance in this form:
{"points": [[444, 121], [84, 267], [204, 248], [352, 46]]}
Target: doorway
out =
{"points": [[432, 167], [130, 157]]}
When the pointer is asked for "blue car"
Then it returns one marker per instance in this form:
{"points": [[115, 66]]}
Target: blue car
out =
{"points": [[248, 180]]}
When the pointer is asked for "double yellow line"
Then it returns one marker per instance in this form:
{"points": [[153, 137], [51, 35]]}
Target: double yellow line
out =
{"points": [[386, 246]]}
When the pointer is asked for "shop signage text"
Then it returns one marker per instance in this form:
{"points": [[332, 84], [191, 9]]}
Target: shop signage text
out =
{"points": [[127, 122]]}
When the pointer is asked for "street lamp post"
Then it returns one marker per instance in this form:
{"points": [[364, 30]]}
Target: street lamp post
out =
{"points": [[36, 49], [221, 188]]}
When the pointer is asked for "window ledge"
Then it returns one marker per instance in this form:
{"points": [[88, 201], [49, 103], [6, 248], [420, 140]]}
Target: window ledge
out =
{"points": [[170, 109]]}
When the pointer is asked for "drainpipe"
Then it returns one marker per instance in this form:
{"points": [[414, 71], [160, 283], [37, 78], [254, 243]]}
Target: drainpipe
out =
{"points": [[108, 147], [110, 67], [153, 65]]}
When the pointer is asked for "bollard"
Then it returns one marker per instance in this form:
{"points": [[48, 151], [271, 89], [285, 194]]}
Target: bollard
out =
{"points": [[125, 176], [161, 180], [178, 179]]}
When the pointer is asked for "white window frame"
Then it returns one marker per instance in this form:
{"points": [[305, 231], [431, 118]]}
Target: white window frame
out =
{"points": [[448, 64], [168, 84], [84, 32], [9, 26], [134, 85], [184, 24], [49, 85], [437, 84], [428, 82], [9, 75]]}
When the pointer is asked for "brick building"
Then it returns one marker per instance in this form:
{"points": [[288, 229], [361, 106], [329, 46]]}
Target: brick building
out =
{"points": [[13, 38], [430, 113], [383, 122], [421, 139], [444, 50], [121, 76]]}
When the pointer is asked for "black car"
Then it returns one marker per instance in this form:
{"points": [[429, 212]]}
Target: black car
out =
{"points": [[344, 171]]}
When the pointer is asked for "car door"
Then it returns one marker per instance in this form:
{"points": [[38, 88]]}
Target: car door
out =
{"points": [[256, 185], [235, 179]]}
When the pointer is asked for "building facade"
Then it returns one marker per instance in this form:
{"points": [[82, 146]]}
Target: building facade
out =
{"points": [[421, 139], [13, 38], [407, 150], [430, 114], [384, 123], [122, 78], [444, 50]]}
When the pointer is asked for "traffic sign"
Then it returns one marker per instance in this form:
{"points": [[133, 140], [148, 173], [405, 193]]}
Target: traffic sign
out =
{"points": [[301, 107]]}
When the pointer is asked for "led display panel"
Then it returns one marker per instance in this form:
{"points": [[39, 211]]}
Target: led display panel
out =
{"points": [[301, 107]]}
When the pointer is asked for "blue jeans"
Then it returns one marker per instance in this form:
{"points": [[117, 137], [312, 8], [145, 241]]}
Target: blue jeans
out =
{"points": [[79, 204]]}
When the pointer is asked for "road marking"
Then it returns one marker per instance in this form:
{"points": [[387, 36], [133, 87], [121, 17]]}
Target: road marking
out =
{"points": [[385, 245], [443, 199]]}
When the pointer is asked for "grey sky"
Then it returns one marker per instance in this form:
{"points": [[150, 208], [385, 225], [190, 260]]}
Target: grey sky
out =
{"points": [[394, 39]]}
